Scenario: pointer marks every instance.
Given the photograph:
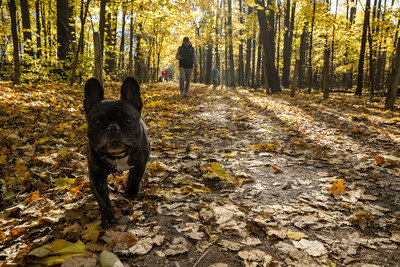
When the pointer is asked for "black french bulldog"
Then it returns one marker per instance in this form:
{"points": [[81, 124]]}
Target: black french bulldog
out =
{"points": [[117, 141]]}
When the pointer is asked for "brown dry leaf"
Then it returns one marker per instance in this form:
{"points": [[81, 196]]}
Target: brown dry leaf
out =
{"points": [[395, 237], [362, 219], [34, 196], [252, 255], [230, 245], [114, 237], [276, 234], [379, 160], [251, 241], [84, 261], [355, 131], [143, 246], [276, 170], [266, 147], [178, 246], [314, 248]]}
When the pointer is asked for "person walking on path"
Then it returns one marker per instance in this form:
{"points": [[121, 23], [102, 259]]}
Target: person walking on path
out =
{"points": [[215, 75], [187, 58]]}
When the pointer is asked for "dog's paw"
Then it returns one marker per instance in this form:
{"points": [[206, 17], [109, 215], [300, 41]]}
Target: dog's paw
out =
{"points": [[108, 222]]}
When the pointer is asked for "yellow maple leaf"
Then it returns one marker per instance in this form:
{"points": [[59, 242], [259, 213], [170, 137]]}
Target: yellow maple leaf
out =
{"points": [[296, 235], [216, 172], [337, 189]]}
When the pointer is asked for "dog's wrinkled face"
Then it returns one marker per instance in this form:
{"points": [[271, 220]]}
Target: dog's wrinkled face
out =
{"points": [[113, 125]]}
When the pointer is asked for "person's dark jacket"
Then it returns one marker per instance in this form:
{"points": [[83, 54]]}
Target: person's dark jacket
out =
{"points": [[189, 56]]}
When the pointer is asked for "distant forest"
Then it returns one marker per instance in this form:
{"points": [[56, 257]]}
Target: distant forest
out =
{"points": [[349, 46]]}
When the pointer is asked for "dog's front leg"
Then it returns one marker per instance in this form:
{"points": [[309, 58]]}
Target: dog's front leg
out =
{"points": [[134, 178], [99, 187]]}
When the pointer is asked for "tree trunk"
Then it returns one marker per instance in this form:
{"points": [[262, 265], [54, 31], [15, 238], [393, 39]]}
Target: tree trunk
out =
{"points": [[122, 45], [241, 63], [13, 16], [394, 80], [247, 72], [231, 74], [278, 19], [333, 49], [226, 53], [110, 41], [268, 45], [349, 66], [130, 59], [209, 62], [64, 29], [286, 47], [201, 67], [217, 55], [102, 22], [271, 25], [360, 74], [138, 57], [98, 58], [310, 49], [253, 67], [26, 27], [325, 79], [292, 18], [26, 20], [302, 56], [295, 77], [80, 42], [371, 64], [258, 68], [45, 43], [38, 30]]}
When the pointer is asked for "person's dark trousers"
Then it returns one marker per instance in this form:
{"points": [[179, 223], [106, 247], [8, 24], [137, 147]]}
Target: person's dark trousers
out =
{"points": [[184, 80]]}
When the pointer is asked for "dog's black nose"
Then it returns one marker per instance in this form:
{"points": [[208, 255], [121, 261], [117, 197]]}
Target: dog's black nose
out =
{"points": [[113, 129]]}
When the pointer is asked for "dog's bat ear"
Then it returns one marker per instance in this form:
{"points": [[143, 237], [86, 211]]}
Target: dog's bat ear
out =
{"points": [[94, 93], [130, 92]]}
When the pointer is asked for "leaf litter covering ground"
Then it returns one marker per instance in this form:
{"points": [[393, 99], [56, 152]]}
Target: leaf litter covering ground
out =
{"points": [[235, 178]]}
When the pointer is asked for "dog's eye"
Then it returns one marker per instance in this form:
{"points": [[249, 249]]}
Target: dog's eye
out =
{"points": [[96, 122], [129, 121]]}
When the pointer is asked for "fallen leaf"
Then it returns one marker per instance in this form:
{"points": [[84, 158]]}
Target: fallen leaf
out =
{"points": [[251, 241], [314, 248], [362, 219], [143, 246], [216, 172], [230, 245], [337, 189], [252, 255], [83, 261], [395, 237], [178, 246], [92, 232], [296, 235], [109, 259]]}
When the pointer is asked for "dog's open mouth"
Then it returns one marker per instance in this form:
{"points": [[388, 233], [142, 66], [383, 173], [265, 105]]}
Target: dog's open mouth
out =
{"points": [[115, 147]]}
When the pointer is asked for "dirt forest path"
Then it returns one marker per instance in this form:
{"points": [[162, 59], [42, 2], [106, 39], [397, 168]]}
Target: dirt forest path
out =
{"points": [[235, 178]]}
